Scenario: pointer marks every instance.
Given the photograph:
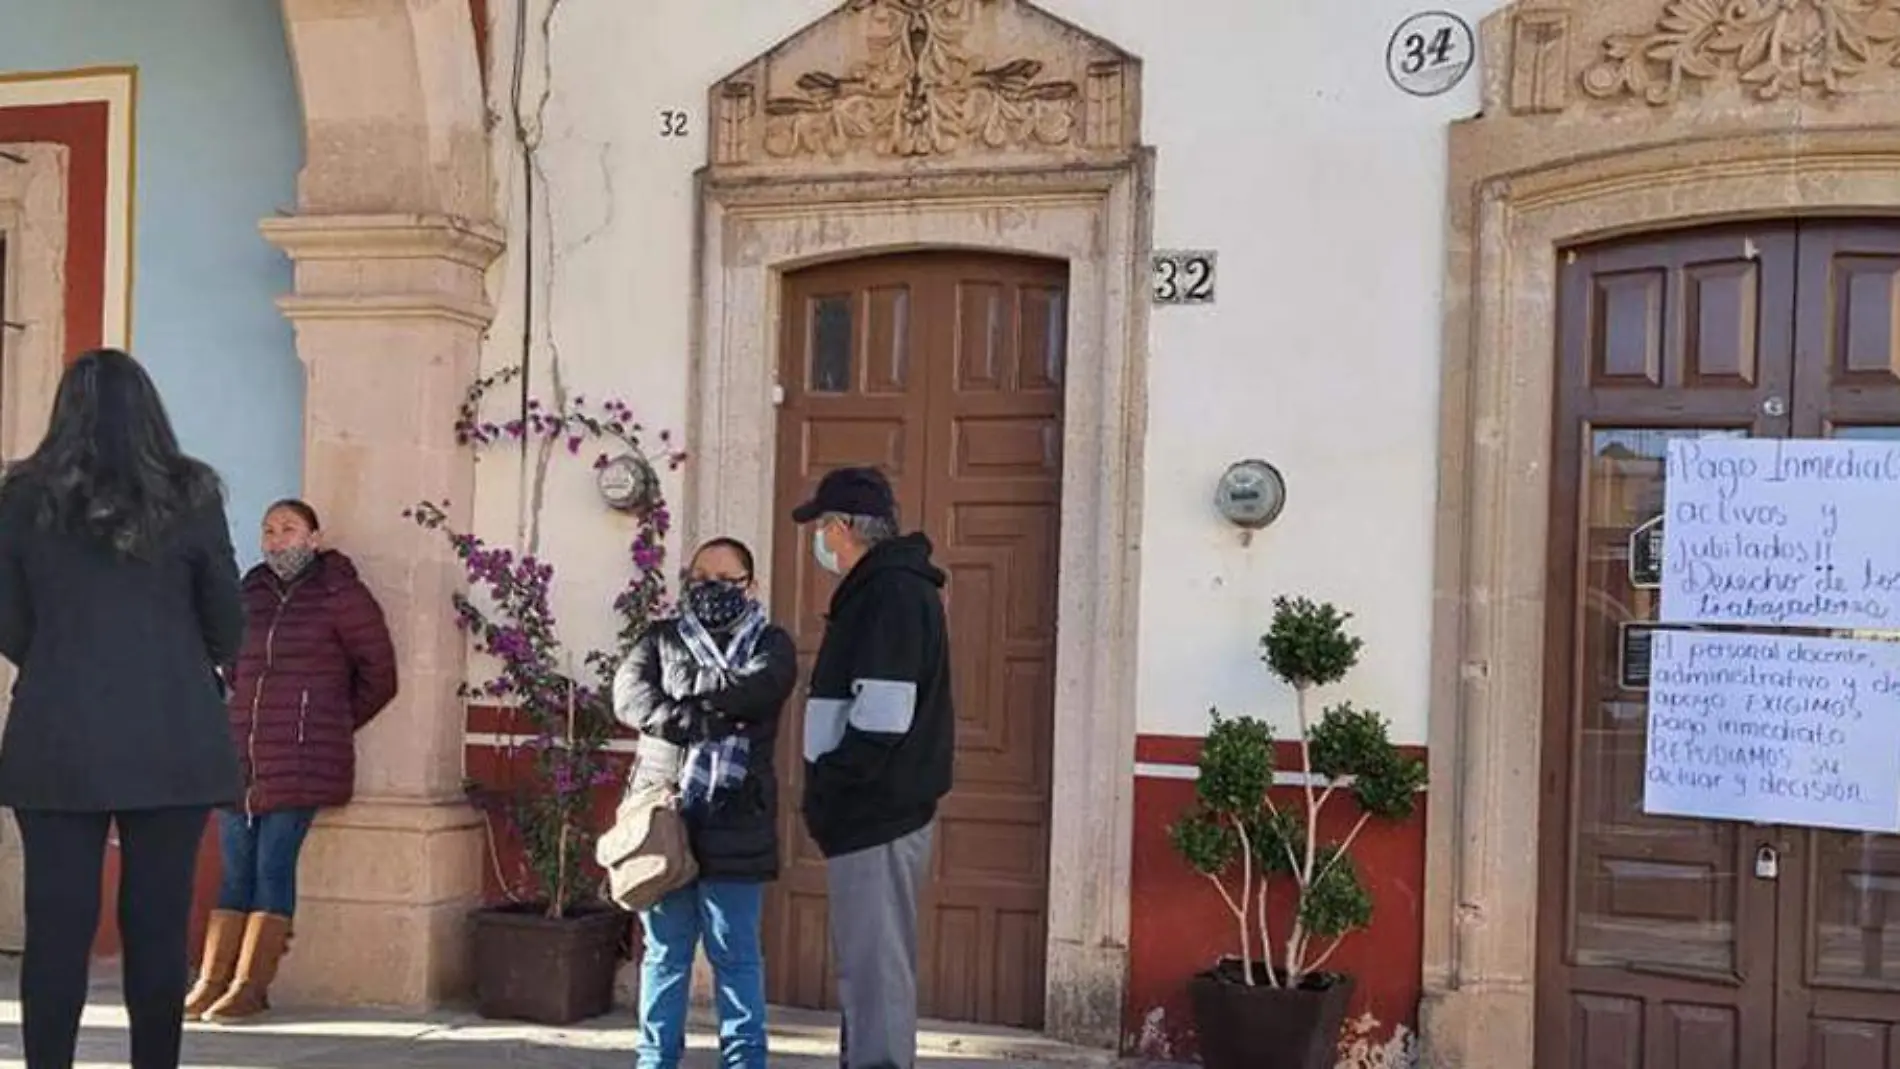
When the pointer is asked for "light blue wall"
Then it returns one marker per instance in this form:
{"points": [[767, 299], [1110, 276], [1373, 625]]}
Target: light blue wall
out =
{"points": [[219, 144]]}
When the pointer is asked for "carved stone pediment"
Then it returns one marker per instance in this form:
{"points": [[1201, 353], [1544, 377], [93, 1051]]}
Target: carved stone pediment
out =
{"points": [[1772, 47], [1616, 55], [903, 85]]}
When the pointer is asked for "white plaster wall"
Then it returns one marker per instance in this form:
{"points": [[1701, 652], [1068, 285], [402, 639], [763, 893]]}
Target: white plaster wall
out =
{"points": [[1280, 142]]}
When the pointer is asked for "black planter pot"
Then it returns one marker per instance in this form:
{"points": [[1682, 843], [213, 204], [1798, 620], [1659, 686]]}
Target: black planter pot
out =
{"points": [[1263, 1027], [531, 968]]}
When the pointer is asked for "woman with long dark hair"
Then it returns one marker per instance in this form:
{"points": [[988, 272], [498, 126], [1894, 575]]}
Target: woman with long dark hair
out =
{"points": [[705, 690], [118, 596]]}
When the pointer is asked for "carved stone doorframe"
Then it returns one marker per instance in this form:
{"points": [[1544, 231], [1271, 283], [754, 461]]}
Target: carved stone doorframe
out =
{"points": [[1022, 138], [1589, 129], [33, 236], [33, 224]]}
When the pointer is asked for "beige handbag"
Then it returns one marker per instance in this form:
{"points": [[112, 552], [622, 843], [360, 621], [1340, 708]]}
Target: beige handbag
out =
{"points": [[646, 853]]}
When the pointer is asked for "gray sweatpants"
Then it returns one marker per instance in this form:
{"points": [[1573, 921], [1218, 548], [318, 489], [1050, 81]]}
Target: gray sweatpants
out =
{"points": [[873, 911]]}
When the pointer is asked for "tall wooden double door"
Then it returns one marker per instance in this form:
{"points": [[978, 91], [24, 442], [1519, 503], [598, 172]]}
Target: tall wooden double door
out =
{"points": [[1685, 944], [945, 370]]}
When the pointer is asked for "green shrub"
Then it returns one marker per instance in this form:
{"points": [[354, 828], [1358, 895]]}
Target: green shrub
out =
{"points": [[1242, 841]]}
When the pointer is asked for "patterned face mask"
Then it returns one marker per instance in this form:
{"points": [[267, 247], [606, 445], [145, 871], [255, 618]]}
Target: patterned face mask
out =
{"points": [[716, 604], [289, 562]]}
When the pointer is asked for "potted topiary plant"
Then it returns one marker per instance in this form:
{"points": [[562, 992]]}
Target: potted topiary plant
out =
{"points": [[549, 953], [1275, 1005]]}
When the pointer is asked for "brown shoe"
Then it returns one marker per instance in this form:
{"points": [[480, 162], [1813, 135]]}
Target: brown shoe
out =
{"points": [[218, 965], [266, 936]]}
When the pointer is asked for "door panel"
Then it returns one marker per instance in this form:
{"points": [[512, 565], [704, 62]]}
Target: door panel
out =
{"points": [[846, 365], [1660, 946], [992, 507], [945, 370], [1651, 942], [1848, 369], [1840, 908]]}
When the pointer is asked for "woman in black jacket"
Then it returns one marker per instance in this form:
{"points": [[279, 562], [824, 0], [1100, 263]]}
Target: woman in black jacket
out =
{"points": [[705, 690], [118, 595]]}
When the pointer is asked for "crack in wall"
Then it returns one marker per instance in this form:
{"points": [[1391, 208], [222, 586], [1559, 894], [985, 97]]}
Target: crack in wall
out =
{"points": [[558, 256], [530, 130]]}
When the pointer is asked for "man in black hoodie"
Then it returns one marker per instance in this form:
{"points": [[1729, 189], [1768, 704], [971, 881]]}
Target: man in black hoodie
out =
{"points": [[879, 742]]}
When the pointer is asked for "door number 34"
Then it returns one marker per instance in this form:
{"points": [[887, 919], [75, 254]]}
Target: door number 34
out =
{"points": [[1184, 277]]}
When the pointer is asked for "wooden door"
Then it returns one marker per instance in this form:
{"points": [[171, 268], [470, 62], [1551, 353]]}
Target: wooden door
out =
{"points": [[945, 370], [1660, 944], [1839, 930], [1656, 947]]}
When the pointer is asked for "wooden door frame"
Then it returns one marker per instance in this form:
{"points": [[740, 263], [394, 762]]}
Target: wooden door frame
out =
{"points": [[752, 234], [1565, 152]]}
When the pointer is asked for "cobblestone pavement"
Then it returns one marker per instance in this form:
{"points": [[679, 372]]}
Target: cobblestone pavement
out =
{"points": [[369, 1039]]}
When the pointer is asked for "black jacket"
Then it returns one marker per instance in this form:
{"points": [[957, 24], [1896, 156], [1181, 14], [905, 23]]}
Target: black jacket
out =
{"points": [[736, 838], [116, 706], [880, 730]]}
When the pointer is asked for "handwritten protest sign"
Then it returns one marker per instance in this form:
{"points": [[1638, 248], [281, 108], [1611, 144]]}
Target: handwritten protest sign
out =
{"points": [[1775, 729], [1782, 533]]}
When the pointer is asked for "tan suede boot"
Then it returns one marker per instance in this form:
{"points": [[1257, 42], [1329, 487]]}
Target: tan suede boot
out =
{"points": [[218, 964], [266, 936]]}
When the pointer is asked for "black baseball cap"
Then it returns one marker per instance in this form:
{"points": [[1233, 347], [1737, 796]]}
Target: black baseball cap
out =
{"points": [[849, 492]]}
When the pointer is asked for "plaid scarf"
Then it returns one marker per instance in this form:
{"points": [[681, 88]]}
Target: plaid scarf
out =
{"points": [[717, 764]]}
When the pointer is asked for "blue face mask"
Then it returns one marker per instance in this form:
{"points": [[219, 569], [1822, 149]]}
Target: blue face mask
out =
{"points": [[826, 558]]}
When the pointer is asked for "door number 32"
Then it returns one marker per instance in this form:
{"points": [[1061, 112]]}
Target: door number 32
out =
{"points": [[1184, 277]]}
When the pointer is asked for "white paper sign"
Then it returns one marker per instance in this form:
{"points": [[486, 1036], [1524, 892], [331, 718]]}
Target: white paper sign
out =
{"points": [[1774, 729], [1782, 533]]}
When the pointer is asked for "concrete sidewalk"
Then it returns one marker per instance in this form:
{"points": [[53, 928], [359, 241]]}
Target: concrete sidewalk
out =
{"points": [[372, 1039]]}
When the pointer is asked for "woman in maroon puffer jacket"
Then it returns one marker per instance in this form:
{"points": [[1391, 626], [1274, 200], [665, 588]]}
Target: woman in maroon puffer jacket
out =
{"points": [[316, 665]]}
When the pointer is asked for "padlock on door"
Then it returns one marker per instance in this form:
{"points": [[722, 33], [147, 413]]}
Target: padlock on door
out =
{"points": [[1767, 862]]}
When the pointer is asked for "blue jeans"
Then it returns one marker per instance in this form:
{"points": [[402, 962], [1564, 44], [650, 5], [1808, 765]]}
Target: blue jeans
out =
{"points": [[727, 916], [260, 859]]}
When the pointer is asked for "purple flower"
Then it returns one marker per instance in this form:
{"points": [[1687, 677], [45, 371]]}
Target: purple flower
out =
{"points": [[509, 642], [567, 720], [647, 557]]}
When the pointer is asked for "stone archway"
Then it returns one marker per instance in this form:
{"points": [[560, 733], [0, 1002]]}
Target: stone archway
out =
{"points": [[391, 241], [1600, 117]]}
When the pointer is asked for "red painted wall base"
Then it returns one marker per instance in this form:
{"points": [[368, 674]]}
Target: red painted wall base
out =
{"points": [[1180, 926], [1178, 923]]}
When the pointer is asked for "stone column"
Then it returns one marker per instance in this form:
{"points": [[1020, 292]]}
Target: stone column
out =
{"points": [[389, 311]]}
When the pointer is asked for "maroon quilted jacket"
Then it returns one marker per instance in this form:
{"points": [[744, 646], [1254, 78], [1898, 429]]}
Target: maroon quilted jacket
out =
{"points": [[316, 665]]}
